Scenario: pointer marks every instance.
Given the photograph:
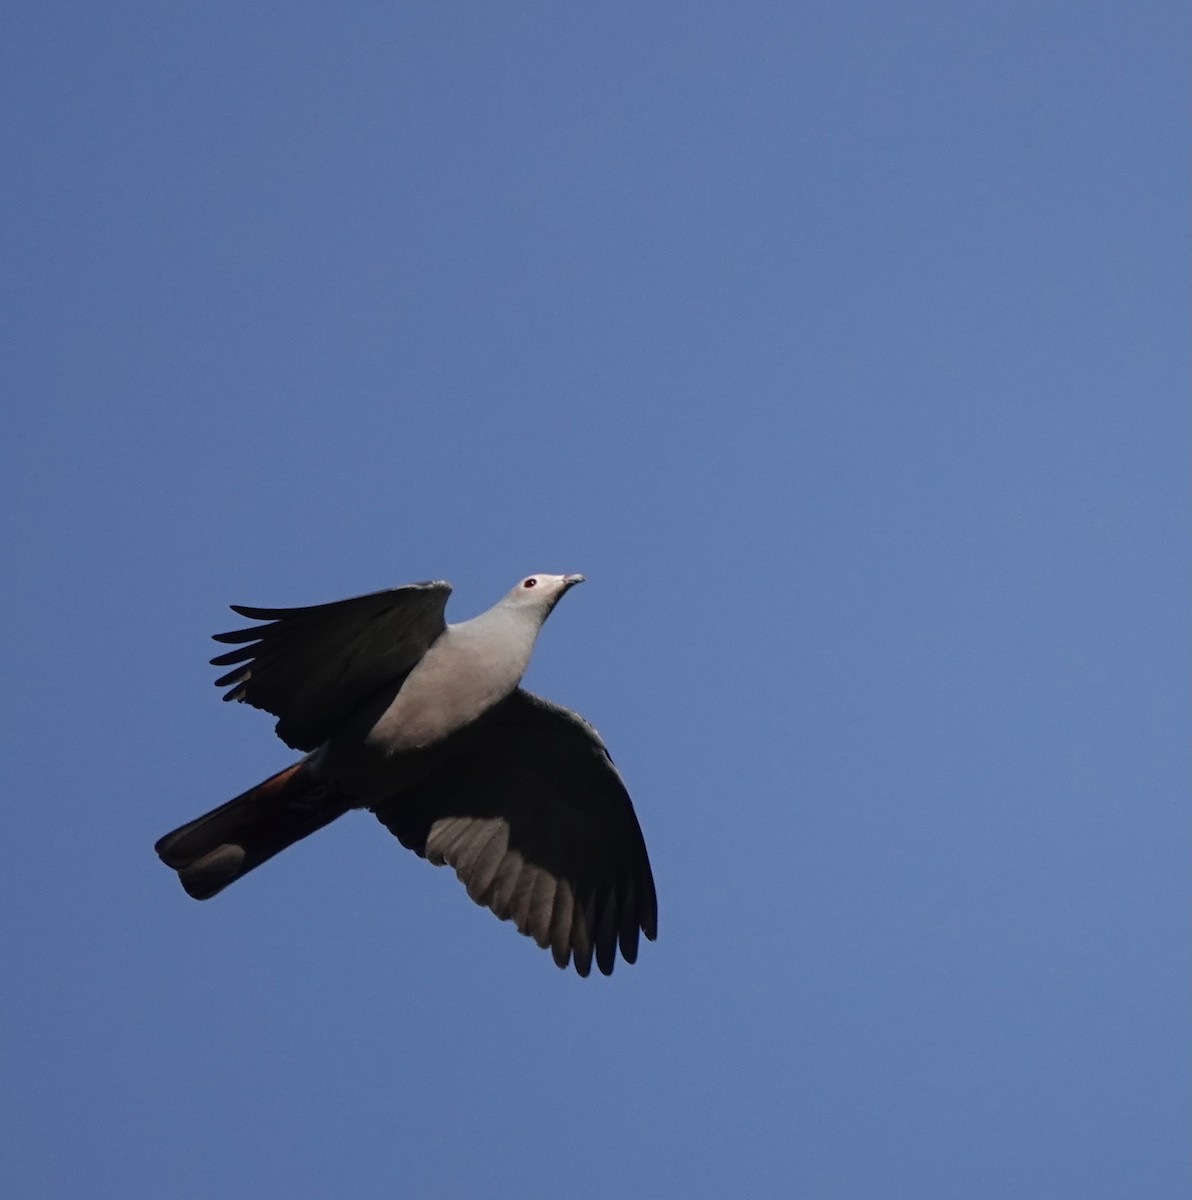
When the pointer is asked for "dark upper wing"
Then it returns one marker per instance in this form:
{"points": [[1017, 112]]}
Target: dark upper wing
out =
{"points": [[310, 667], [530, 811]]}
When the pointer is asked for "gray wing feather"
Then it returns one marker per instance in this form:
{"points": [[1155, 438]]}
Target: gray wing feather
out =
{"points": [[311, 667], [530, 811]]}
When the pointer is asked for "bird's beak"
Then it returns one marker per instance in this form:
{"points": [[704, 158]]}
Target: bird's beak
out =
{"points": [[570, 581]]}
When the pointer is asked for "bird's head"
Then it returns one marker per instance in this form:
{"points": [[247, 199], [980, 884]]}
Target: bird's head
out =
{"points": [[540, 592]]}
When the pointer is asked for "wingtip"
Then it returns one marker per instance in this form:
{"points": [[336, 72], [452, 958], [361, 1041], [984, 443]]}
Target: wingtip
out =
{"points": [[253, 613]]}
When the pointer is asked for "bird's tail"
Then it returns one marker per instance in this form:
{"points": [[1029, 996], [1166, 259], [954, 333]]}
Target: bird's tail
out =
{"points": [[219, 847]]}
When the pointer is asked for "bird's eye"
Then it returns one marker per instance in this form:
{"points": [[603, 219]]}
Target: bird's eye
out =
{"points": [[529, 583]]}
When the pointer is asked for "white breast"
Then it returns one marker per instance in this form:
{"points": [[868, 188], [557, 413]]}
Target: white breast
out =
{"points": [[470, 668]]}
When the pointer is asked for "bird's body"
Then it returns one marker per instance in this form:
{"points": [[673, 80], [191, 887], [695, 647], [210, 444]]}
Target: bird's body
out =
{"points": [[469, 668], [424, 723]]}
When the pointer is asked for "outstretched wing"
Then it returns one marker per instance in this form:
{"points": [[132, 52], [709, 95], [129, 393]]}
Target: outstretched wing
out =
{"points": [[530, 811], [311, 667]]}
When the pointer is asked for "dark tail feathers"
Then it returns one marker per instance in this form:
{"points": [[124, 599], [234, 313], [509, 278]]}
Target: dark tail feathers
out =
{"points": [[219, 847]]}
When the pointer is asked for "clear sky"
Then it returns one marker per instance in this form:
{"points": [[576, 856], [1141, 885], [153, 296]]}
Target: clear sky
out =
{"points": [[843, 347]]}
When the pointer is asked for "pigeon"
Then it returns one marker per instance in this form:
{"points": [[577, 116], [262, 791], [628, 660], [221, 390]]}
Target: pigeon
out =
{"points": [[425, 725]]}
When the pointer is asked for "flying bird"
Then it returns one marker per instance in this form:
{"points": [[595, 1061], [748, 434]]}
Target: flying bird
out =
{"points": [[425, 725]]}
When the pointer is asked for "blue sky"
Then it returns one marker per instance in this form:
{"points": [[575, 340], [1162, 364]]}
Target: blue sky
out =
{"points": [[843, 347]]}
